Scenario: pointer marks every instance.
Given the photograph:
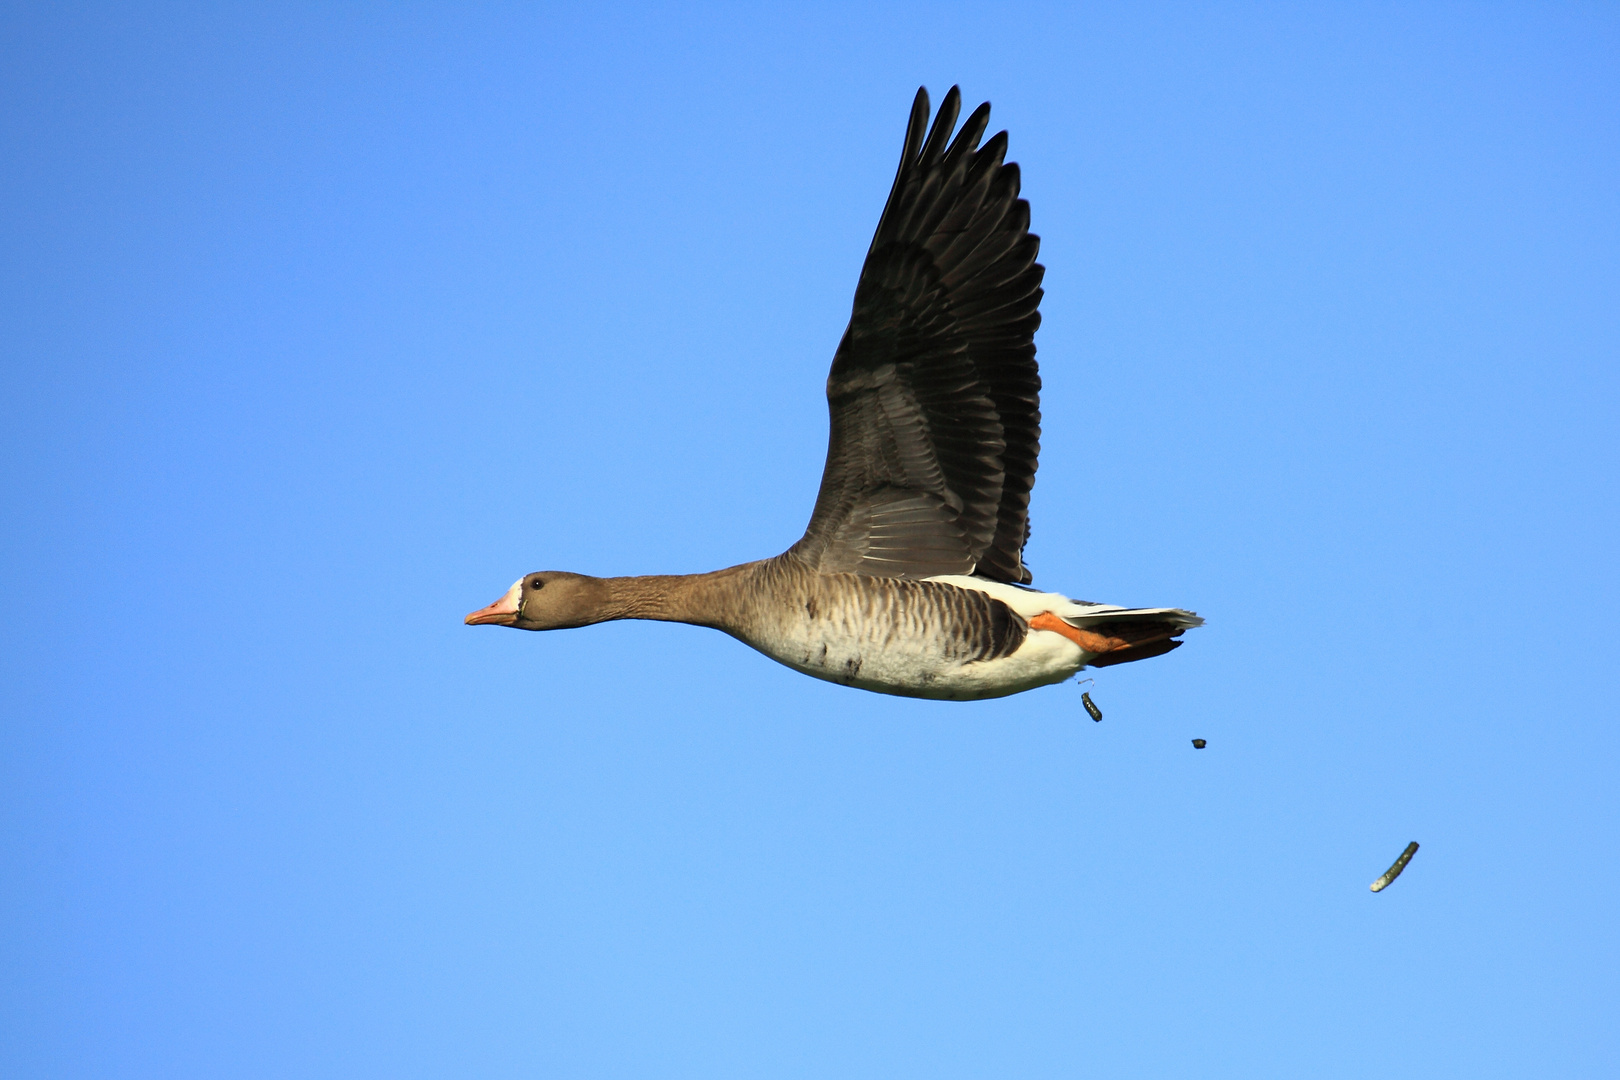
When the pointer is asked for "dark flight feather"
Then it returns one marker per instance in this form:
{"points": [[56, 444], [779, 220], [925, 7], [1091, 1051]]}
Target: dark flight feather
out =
{"points": [[934, 393]]}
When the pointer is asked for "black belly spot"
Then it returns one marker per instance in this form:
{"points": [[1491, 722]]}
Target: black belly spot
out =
{"points": [[810, 607], [852, 668], [823, 656]]}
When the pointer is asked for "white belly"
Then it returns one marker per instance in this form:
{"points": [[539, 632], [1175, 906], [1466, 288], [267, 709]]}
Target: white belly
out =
{"points": [[910, 669]]}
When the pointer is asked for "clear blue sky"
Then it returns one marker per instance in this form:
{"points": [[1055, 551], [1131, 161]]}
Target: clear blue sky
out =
{"points": [[321, 325]]}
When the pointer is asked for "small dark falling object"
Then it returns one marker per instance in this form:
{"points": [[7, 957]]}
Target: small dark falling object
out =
{"points": [[1091, 706], [1395, 871], [1199, 744]]}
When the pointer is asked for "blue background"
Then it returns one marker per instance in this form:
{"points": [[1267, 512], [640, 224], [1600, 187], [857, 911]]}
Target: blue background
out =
{"points": [[321, 325]]}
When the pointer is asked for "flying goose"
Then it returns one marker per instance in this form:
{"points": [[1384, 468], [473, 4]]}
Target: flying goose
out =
{"points": [[910, 577]]}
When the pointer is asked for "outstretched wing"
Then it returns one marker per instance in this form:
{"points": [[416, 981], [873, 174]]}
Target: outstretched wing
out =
{"points": [[934, 392]]}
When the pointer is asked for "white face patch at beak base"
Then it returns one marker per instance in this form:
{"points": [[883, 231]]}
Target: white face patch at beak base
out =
{"points": [[503, 612]]}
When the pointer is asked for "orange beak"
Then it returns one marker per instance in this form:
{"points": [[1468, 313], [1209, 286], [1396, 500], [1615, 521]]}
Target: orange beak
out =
{"points": [[503, 612]]}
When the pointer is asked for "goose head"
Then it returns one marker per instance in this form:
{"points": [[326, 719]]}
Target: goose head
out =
{"points": [[547, 600]]}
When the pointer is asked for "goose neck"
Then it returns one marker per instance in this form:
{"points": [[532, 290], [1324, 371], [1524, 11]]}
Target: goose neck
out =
{"points": [[699, 599]]}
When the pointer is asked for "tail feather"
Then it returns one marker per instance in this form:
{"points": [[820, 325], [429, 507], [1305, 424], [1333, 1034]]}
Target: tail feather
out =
{"points": [[1090, 616], [1135, 652], [1121, 635]]}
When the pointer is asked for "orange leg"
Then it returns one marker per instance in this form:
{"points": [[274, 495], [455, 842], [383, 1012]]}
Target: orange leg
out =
{"points": [[1092, 643]]}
